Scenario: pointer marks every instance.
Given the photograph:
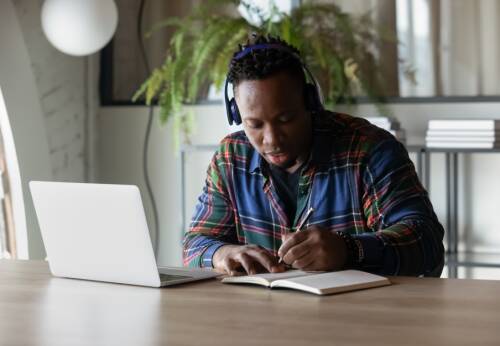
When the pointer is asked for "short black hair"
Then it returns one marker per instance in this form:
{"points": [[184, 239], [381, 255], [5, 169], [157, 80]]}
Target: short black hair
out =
{"points": [[263, 63]]}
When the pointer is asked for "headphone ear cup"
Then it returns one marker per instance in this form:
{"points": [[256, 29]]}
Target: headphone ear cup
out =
{"points": [[313, 102], [235, 116]]}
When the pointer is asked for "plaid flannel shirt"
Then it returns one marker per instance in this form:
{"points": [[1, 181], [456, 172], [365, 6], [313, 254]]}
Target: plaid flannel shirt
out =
{"points": [[359, 179]]}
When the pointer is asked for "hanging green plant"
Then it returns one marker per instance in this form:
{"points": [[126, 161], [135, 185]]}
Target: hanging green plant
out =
{"points": [[339, 48]]}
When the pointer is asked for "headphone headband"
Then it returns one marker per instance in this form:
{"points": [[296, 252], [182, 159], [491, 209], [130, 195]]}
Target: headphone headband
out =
{"points": [[274, 46], [312, 90]]}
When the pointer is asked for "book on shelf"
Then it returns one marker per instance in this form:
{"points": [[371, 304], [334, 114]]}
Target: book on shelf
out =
{"points": [[390, 125], [462, 145], [320, 283], [399, 134], [464, 133], [464, 124], [384, 123], [460, 139]]}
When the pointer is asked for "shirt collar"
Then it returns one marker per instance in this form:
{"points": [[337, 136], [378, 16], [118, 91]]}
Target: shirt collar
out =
{"points": [[255, 162]]}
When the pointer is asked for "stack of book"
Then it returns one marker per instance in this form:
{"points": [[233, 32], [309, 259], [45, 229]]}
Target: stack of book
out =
{"points": [[389, 125], [483, 134]]}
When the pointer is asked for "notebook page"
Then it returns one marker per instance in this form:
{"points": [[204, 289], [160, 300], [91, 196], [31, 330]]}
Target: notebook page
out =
{"points": [[266, 278], [270, 277], [332, 282]]}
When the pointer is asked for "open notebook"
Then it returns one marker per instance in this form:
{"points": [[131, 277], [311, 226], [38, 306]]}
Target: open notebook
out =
{"points": [[317, 283]]}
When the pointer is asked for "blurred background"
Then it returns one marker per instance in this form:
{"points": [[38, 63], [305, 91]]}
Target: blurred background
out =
{"points": [[68, 117]]}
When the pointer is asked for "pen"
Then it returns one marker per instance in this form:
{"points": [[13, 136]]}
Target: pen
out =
{"points": [[301, 224], [304, 220]]}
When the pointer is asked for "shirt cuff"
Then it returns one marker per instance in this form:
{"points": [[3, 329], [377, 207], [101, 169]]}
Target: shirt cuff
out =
{"points": [[208, 254], [372, 249], [379, 256]]}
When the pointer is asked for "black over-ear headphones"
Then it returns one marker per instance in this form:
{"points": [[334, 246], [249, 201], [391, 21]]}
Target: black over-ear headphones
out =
{"points": [[312, 91]]}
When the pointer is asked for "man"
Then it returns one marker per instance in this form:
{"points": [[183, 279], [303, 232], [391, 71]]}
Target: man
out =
{"points": [[369, 209]]}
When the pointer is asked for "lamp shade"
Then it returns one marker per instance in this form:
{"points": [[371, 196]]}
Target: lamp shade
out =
{"points": [[79, 27]]}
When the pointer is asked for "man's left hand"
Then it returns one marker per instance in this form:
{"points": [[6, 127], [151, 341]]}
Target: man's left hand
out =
{"points": [[314, 249]]}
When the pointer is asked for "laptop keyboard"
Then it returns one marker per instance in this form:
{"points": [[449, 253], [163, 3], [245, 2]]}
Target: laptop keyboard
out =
{"points": [[170, 277]]}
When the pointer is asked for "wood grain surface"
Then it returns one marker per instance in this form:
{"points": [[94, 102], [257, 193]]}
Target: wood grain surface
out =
{"points": [[37, 309]]}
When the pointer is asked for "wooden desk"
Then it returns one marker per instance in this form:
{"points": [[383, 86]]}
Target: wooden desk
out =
{"points": [[36, 309]]}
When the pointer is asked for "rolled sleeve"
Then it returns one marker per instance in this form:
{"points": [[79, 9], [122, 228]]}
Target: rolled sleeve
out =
{"points": [[208, 254], [213, 222], [407, 237]]}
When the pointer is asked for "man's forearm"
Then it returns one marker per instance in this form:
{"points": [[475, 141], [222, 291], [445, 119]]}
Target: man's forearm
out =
{"points": [[199, 249], [410, 247]]}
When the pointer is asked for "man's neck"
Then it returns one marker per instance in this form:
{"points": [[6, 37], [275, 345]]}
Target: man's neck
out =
{"points": [[298, 163]]}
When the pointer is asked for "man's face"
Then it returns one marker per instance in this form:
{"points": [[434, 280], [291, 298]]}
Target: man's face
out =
{"points": [[275, 119]]}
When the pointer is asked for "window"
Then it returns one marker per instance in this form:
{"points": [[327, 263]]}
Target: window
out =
{"points": [[122, 66], [449, 48], [7, 232]]}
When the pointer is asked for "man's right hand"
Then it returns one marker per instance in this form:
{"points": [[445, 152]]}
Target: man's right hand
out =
{"points": [[252, 259]]}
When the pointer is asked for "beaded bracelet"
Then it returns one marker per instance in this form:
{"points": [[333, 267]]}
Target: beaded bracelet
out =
{"points": [[355, 254]]}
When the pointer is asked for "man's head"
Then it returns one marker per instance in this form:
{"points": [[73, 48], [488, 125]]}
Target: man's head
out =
{"points": [[269, 91]]}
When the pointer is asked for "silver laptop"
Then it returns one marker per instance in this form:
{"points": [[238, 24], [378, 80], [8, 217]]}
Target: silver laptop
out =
{"points": [[99, 232]]}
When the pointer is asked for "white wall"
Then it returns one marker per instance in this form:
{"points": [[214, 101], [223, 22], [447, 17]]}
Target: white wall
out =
{"points": [[121, 138], [51, 110], [120, 147], [23, 131], [60, 82]]}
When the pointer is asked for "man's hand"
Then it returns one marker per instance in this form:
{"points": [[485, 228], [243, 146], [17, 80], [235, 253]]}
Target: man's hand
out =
{"points": [[314, 248], [252, 259]]}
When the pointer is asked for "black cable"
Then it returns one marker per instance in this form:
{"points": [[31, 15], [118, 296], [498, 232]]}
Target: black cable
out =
{"points": [[148, 133]]}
